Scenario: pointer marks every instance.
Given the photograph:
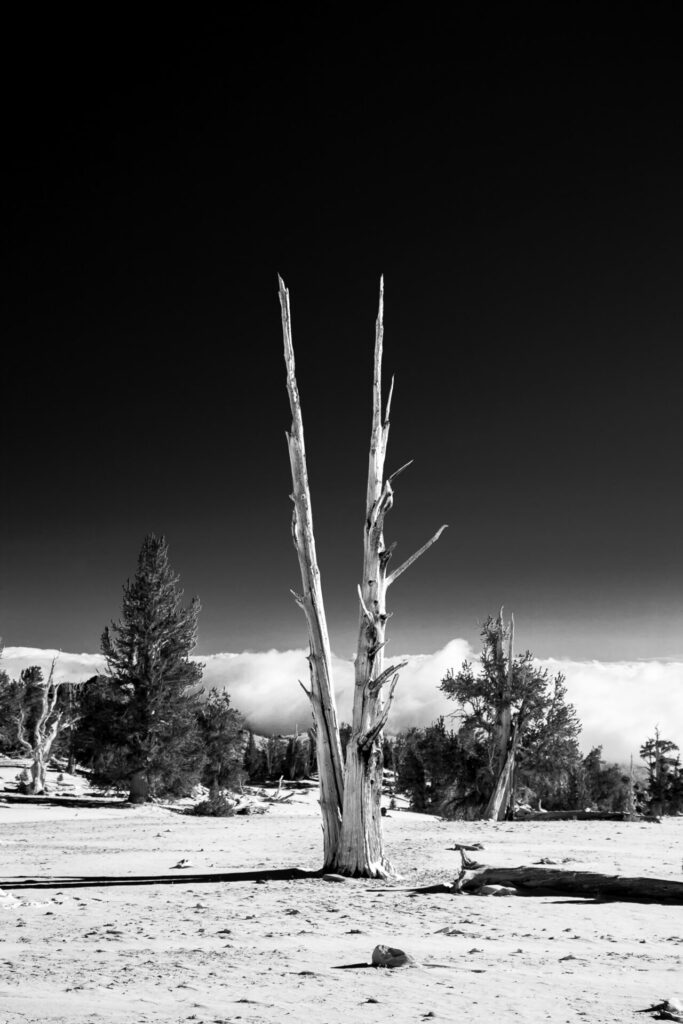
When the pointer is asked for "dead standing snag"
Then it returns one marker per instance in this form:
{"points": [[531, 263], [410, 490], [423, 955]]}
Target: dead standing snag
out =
{"points": [[321, 693], [357, 849]]}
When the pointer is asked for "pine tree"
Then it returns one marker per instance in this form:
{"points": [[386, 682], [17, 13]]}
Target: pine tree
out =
{"points": [[221, 727], [664, 774], [254, 761], [541, 727], [148, 662]]}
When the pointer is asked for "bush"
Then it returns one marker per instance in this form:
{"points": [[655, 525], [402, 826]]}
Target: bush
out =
{"points": [[218, 805]]}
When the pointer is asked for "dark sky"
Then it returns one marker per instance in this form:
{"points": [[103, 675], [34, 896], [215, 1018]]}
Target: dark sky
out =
{"points": [[524, 201]]}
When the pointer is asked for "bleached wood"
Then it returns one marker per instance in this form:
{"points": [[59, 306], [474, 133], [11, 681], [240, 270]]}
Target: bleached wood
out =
{"points": [[361, 850], [498, 804], [321, 694], [355, 847], [46, 726], [543, 880], [413, 558]]}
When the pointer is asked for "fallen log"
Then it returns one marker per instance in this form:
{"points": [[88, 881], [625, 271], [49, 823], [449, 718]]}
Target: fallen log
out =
{"points": [[545, 881], [62, 801], [585, 816]]}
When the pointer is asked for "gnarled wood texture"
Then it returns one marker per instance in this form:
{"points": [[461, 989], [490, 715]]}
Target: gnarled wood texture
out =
{"points": [[321, 693], [360, 851], [351, 807], [544, 880], [47, 721]]}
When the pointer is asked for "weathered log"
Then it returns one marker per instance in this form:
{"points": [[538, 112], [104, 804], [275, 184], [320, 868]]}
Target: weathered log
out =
{"points": [[62, 801], [547, 881], [544, 881], [585, 816]]}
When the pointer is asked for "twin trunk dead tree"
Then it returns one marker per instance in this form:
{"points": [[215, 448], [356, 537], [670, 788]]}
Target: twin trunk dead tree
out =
{"points": [[350, 803]]}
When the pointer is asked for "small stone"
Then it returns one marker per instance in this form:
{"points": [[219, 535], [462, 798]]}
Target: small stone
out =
{"points": [[387, 956], [334, 878]]}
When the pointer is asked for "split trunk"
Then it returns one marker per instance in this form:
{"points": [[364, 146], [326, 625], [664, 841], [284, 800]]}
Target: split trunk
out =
{"points": [[351, 806]]}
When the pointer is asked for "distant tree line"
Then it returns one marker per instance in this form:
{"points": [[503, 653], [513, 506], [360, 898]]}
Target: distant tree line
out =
{"points": [[454, 771], [147, 727]]}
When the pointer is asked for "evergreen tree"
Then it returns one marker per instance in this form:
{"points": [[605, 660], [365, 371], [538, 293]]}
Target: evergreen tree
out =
{"points": [[156, 749], [427, 761], [99, 733], [9, 714], [221, 728], [546, 726], [605, 787], [411, 771], [275, 751], [665, 781], [254, 761]]}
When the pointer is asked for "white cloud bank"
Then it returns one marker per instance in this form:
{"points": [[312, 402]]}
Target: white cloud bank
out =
{"points": [[619, 703]]}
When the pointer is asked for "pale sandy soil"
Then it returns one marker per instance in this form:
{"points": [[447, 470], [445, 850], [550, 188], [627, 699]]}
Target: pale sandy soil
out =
{"points": [[252, 952]]}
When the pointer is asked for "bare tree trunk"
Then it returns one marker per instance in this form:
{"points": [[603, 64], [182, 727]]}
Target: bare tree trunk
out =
{"points": [[502, 793], [138, 788], [360, 849], [350, 805], [37, 784], [46, 723], [321, 693], [504, 753]]}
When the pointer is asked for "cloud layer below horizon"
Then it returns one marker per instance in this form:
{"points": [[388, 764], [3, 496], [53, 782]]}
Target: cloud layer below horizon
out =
{"points": [[618, 703]]}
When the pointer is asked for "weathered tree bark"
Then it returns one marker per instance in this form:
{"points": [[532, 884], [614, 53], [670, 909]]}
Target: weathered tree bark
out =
{"points": [[350, 805], [360, 851], [500, 798], [504, 757], [138, 788], [545, 880], [321, 693]]}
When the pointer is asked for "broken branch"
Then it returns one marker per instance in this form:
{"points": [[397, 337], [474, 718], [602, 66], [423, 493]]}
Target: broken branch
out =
{"points": [[413, 558]]}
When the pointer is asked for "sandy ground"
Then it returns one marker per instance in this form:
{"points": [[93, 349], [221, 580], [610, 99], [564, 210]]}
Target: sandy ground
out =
{"points": [[252, 952]]}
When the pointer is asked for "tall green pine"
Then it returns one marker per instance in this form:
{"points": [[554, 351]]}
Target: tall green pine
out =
{"points": [[148, 661]]}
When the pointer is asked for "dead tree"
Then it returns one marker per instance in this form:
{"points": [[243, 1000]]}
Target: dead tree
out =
{"points": [[321, 693], [543, 881], [551, 881], [40, 721], [357, 849], [360, 850]]}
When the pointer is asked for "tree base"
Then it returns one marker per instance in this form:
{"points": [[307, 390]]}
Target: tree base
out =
{"points": [[139, 789]]}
